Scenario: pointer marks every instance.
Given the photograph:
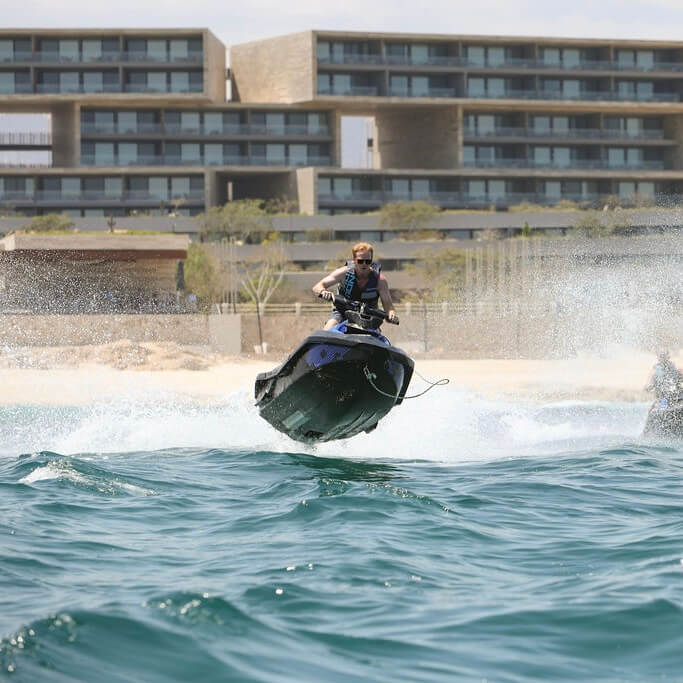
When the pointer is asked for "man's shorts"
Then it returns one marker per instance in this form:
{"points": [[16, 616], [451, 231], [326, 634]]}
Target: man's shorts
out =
{"points": [[336, 315]]}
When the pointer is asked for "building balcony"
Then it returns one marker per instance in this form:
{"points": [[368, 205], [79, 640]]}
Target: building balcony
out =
{"points": [[583, 164], [16, 140], [195, 56], [577, 133], [351, 58], [531, 94], [57, 89], [17, 89], [358, 90], [144, 88], [113, 129], [431, 92]]}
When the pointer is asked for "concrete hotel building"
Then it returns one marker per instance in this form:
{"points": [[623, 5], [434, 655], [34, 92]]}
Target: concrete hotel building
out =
{"points": [[141, 123]]}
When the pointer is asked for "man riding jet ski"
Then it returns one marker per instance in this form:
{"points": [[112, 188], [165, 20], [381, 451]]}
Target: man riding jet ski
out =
{"points": [[665, 417], [359, 280], [341, 380]]}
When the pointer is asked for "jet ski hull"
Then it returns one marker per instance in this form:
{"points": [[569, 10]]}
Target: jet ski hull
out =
{"points": [[333, 386], [665, 419]]}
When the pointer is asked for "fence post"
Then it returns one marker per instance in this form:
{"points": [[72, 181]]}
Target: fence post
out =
{"points": [[444, 307], [409, 308], [297, 308]]}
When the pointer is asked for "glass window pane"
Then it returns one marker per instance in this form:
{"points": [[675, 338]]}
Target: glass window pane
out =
{"points": [[496, 56], [468, 154], [180, 81], [158, 187], [542, 124], [127, 122], [646, 189], [324, 186], [342, 187], [298, 155], [476, 55], [104, 154], [68, 50], [419, 54], [213, 123], [400, 188], [275, 154], [275, 123], [156, 81], [6, 50], [341, 84], [615, 156], [477, 188], [542, 155], [323, 49], [476, 87], [156, 50], [420, 188], [92, 81], [180, 187], [68, 81], [486, 123], [112, 187], [189, 121], [178, 49], [553, 189], [561, 156], [645, 59], [92, 50], [571, 88], [496, 87], [561, 124], [71, 187], [551, 56], [190, 152], [496, 189], [128, 153], [570, 58], [213, 154], [627, 189], [6, 82], [419, 86]]}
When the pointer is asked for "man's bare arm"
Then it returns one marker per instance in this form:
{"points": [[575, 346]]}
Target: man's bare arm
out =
{"points": [[334, 278], [385, 296]]}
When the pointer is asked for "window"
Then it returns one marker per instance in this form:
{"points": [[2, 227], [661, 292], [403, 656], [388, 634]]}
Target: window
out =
{"points": [[324, 186], [550, 56], [156, 81], [68, 81], [190, 153], [128, 153], [68, 51], [112, 187], [476, 55], [476, 87], [6, 82], [189, 121], [298, 155], [213, 123], [571, 58], [92, 50], [496, 56], [6, 50], [542, 156], [180, 187], [158, 187], [127, 122], [104, 154], [213, 154], [180, 81], [178, 50], [93, 81], [419, 54], [156, 50], [275, 154]]}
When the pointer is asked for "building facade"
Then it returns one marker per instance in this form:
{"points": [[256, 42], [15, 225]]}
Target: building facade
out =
{"points": [[141, 122]]}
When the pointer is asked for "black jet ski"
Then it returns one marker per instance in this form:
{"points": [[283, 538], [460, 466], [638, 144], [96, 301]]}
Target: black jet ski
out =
{"points": [[665, 418], [337, 383]]}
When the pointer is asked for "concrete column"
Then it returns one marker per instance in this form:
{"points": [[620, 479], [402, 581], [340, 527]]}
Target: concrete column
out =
{"points": [[66, 135], [418, 137]]}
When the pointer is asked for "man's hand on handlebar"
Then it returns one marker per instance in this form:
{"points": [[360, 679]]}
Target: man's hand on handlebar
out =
{"points": [[392, 317], [326, 294]]}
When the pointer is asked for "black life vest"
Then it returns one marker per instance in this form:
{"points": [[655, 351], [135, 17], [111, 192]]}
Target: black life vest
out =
{"points": [[351, 290]]}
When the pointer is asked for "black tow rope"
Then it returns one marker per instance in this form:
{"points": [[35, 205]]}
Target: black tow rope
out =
{"points": [[371, 377]]}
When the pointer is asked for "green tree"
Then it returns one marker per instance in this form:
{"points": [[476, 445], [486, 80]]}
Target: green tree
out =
{"points": [[412, 217], [50, 222], [527, 230], [203, 275], [243, 220], [441, 271], [590, 226]]}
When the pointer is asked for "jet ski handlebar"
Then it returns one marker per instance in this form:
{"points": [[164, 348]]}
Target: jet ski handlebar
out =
{"points": [[342, 304]]}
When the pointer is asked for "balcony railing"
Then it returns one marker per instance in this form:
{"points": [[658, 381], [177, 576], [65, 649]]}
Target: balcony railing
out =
{"points": [[26, 139], [17, 89], [114, 129], [226, 160], [142, 56], [522, 63], [364, 90], [430, 92], [590, 164], [154, 90], [585, 133], [532, 94], [57, 88], [52, 57]]}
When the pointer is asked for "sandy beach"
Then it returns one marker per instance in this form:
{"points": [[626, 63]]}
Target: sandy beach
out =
{"points": [[81, 375]]}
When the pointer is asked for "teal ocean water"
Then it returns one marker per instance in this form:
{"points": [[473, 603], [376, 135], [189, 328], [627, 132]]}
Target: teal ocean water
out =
{"points": [[160, 540]]}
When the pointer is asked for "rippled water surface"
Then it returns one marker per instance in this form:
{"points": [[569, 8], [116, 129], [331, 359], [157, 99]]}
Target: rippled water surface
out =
{"points": [[158, 540]]}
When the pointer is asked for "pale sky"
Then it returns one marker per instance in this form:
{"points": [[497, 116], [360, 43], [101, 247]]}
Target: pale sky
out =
{"points": [[236, 22]]}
